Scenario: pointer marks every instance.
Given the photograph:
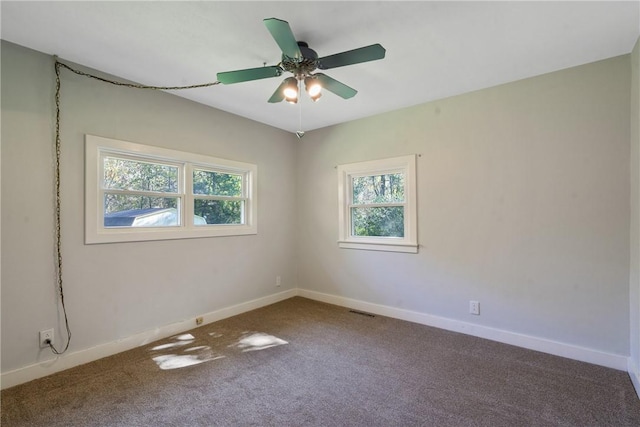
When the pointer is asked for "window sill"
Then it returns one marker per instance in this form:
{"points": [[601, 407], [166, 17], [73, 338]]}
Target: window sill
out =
{"points": [[143, 234], [410, 248]]}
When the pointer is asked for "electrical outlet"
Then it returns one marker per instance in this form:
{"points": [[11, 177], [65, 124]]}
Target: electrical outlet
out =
{"points": [[46, 338], [278, 280], [474, 307], [199, 320]]}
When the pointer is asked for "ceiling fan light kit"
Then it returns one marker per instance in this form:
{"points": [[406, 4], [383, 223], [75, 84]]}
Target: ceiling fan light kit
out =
{"points": [[300, 60]]}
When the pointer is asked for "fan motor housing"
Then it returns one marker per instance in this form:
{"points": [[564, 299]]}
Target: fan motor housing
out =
{"points": [[304, 65]]}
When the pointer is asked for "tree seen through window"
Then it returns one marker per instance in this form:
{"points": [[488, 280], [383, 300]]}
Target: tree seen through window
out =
{"points": [[373, 212]]}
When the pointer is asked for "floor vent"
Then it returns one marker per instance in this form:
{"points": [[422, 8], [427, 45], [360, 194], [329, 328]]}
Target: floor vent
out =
{"points": [[362, 313]]}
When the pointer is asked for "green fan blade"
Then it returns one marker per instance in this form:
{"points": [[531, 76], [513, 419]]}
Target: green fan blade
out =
{"points": [[282, 34], [356, 56], [278, 95], [332, 85], [229, 77]]}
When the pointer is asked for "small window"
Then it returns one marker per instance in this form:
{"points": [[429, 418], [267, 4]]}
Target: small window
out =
{"points": [[378, 205], [137, 192]]}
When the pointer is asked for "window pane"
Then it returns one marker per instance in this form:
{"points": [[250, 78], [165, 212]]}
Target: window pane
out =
{"points": [[124, 174], [378, 189], [386, 221], [140, 211], [219, 211], [217, 183]]}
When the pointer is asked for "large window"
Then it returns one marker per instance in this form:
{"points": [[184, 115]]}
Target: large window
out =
{"points": [[377, 202], [138, 192]]}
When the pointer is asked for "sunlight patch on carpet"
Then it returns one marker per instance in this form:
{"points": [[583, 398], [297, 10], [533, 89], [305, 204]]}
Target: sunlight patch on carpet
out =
{"points": [[176, 361], [195, 354], [258, 341], [186, 350], [172, 345], [185, 337], [181, 340]]}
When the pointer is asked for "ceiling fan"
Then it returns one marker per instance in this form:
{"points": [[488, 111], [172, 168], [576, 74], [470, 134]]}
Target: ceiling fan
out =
{"points": [[301, 61]]}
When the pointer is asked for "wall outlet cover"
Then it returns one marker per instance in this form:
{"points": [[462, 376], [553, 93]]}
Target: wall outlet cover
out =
{"points": [[474, 307], [46, 335]]}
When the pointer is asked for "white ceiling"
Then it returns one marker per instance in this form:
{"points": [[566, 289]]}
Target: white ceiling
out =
{"points": [[434, 49]]}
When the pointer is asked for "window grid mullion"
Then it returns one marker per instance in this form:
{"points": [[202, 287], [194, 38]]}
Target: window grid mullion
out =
{"points": [[376, 205], [141, 193], [349, 211], [187, 208], [225, 198]]}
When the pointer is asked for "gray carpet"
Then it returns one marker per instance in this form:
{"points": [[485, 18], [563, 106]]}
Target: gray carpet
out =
{"points": [[305, 363]]}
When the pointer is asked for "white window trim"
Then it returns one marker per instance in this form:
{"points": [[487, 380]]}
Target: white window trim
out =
{"points": [[408, 243], [95, 232]]}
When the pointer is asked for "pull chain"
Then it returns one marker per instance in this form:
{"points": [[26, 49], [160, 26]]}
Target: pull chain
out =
{"points": [[300, 132]]}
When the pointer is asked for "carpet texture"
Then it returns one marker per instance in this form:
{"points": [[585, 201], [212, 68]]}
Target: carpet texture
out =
{"points": [[305, 363]]}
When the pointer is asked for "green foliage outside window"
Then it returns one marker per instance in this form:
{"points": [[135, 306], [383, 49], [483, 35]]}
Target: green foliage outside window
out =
{"points": [[217, 211], [131, 175], [217, 183], [217, 190], [126, 202], [378, 189], [387, 221], [373, 218]]}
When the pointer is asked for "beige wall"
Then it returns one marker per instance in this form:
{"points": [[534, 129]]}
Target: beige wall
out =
{"points": [[523, 205], [523, 201], [114, 291]]}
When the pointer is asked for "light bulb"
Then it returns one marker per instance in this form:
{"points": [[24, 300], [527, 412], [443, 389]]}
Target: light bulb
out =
{"points": [[290, 92], [313, 87]]}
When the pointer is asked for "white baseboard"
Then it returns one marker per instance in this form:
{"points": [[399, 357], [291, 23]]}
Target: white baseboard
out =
{"points": [[582, 354], [48, 367], [634, 373]]}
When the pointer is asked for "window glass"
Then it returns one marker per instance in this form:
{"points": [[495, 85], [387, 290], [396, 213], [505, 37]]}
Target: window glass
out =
{"points": [[383, 221], [125, 174], [217, 183], [387, 188], [122, 210], [219, 211], [151, 217], [130, 193]]}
